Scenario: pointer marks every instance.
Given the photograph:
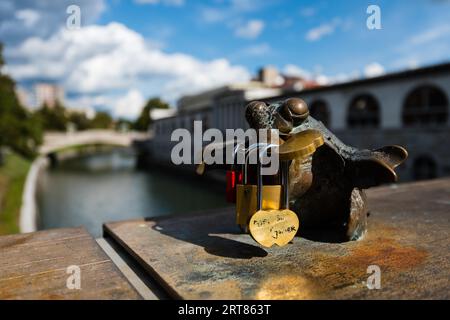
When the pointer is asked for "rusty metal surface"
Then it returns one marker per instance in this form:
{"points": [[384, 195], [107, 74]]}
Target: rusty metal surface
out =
{"points": [[34, 266], [205, 256]]}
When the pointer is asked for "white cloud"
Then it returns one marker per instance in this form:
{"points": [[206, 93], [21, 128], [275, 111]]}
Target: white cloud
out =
{"points": [[430, 46], [86, 102], [250, 30], [322, 30], [308, 12], [246, 5], [430, 35], [296, 71], [130, 105], [233, 15], [318, 76], [373, 69], [100, 62], [213, 15], [256, 50], [230, 11], [28, 16], [175, 3], [127, 105], [413, 63]]}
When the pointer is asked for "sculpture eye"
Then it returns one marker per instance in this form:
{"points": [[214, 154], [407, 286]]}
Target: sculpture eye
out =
{"points": [[295, 108], [256, 114]]}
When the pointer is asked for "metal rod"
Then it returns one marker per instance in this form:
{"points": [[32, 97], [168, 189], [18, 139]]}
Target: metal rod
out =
{"points": [[285, 179], [260, 183]]}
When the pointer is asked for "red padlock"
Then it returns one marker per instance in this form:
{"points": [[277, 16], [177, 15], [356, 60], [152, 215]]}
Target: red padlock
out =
{"points": [[233, 177]]}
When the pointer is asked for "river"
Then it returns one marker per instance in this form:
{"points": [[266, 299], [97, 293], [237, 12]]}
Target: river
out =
{"points": [[105, 186]]}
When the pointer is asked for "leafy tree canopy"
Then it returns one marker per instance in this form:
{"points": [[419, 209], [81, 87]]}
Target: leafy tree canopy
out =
{"points": [[20, 130], [102, 120], [144, 120]]}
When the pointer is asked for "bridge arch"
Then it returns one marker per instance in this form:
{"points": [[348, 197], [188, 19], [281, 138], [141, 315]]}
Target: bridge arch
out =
{"points": [[56, 141]]}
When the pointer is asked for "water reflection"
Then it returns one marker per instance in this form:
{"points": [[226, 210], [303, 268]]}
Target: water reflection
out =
{"points": [[94, 189]]}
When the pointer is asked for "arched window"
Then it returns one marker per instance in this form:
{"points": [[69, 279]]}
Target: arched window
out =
{"points": [[426, 105], [424, 167], [319, 111], [364, 112]]}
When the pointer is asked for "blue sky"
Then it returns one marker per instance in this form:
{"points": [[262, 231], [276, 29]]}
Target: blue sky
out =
{"points": [[283, 39], [127, 51]]}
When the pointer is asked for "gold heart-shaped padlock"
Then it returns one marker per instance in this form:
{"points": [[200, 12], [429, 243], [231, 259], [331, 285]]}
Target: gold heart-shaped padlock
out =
{"points": [[269, 227]]}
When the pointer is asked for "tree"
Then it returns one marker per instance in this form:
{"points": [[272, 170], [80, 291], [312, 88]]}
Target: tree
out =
{"points": [[144, 120], [80, 120], [102, 120], [2, 61], [19, 129], [55, 118], [124, 124]]}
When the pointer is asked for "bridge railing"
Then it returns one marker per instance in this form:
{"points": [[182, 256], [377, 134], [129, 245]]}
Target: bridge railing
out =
{"points": [[54, 141]]}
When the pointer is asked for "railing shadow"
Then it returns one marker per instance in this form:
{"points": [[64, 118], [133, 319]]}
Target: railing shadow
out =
{"points": [[210, 232]]}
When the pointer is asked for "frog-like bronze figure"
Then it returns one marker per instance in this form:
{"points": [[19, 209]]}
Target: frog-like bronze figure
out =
{"points": [[326, 189]]}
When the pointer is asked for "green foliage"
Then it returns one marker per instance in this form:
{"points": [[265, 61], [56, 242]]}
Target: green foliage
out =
{"points": [[12, 179], [53, 119], [19, 129], [102, 120], [124, 124], [80, 120], [144, 120], [2, 61]]}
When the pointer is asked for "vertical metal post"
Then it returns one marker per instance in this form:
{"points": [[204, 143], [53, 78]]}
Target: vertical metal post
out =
{"points": [[285, 183], [260, 182]]}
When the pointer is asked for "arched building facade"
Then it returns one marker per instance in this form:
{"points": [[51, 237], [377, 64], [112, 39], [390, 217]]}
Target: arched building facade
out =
{"points": [[409, 108]]}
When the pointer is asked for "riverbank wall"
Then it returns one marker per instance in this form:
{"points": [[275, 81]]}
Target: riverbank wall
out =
{"points": [[29, 209]]}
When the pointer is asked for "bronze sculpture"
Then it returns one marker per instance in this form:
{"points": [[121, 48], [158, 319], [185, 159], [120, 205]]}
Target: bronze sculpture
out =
{"points": [[327, 187], [325, 180]]}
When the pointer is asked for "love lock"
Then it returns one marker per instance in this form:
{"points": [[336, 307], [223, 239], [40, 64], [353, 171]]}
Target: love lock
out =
{"points": [[269, 225], [249, 197], [276, 226], [234, 176], [262, 207]]}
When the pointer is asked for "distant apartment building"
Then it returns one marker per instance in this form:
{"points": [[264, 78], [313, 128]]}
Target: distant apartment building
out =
{"points": [[48, 94], [409, 108], [24, 97]]}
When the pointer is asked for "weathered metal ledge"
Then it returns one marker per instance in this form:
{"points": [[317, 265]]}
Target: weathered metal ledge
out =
{"points": [[204, 256]]}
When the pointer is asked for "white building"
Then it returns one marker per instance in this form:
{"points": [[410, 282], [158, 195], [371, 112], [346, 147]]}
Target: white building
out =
{"points": [[49, 94], [409, 108]]}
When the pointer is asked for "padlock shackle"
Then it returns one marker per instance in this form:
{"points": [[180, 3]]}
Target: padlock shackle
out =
{"points": [[284, 174], [283, 170], [259, 187], [284, 165], [248, 151], [237, 148], [265, 148]]}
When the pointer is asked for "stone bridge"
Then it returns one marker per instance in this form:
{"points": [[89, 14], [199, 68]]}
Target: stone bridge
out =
{"points": [[54, 141]]}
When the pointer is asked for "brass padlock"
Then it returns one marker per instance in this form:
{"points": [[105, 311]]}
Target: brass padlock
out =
{"points": [[247, 196], [274, 226], [264, 210]]}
